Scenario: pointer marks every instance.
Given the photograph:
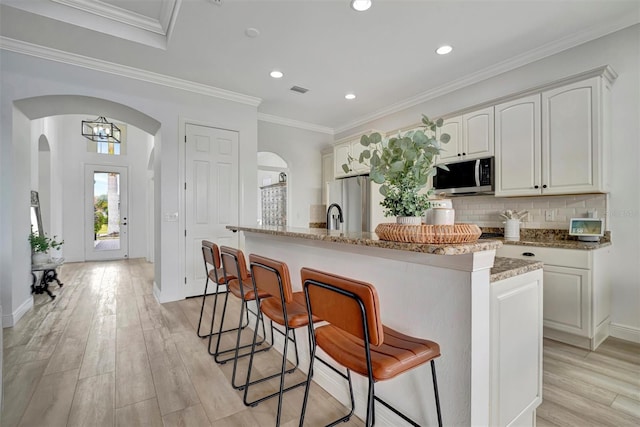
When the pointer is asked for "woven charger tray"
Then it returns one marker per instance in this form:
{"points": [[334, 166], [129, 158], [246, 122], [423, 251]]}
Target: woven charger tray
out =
{"points": [[457, 233]]}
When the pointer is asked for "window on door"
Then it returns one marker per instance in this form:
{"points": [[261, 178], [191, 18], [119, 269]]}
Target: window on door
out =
{"points": [[106, 203]]}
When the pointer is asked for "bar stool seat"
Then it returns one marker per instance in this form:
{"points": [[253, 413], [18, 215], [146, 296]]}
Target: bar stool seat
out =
{"points": [[247, 293], [297, 315], [397, 354]]}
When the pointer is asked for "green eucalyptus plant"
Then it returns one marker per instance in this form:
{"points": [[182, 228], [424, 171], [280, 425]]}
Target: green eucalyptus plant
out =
{"points": [[403, 165]]}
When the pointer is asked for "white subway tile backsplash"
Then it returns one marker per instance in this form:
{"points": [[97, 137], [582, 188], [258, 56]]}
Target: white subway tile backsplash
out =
{"points": [[485, 210]]}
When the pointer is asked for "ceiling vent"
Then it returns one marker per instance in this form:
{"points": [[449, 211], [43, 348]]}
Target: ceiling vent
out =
{"points": [[299, 89]]}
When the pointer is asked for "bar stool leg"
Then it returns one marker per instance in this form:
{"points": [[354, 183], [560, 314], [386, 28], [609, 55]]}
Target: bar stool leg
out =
{"points": [[435, 392]]}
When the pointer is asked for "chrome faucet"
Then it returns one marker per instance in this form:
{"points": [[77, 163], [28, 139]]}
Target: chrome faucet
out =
{"points": [[332, 222]]}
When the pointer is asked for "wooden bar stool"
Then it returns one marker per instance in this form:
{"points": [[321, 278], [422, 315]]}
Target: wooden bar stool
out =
{"points": [[285, 308], [356, 338], [214, 274], [234, 264]]}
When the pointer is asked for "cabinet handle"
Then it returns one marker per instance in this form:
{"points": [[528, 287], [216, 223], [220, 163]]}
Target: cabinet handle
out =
{"points": [[536, 186], [459, 154], [528, 254], [464, 154], [544, 186]]}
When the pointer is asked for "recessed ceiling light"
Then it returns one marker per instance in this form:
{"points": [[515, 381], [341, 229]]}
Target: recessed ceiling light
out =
{"points": [[252, 33], [276, 74], [443, 50], [350, 96], [360, 5]]}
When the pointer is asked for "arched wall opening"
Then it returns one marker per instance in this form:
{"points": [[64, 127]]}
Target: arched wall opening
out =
{"points": [[273, 189]]}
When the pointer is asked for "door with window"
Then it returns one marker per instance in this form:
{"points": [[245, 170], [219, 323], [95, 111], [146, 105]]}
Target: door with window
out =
{"points": [[106, 213], [211, 196]]}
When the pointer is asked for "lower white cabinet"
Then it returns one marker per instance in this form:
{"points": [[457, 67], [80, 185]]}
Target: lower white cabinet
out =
{"points": [[516, 350], [577, 292]]}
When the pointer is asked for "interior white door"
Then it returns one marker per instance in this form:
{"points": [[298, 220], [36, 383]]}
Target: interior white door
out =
{"points": [[106, 212], [211, 196]]}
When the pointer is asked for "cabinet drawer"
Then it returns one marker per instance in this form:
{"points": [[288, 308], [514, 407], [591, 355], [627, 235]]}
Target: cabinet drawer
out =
{"points": [[574, 258]]}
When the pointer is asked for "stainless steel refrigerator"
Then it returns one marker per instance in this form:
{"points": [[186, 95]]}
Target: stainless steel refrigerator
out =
{"points": [[353, 194]]}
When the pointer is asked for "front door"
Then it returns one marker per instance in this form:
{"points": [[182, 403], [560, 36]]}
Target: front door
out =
{"points": [[211, 196], [106, 216]]}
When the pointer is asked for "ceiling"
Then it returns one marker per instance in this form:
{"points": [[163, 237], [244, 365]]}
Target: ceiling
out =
{"points": [[386, 56]]}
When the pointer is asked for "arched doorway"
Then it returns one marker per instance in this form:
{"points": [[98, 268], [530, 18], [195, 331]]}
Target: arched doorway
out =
{"points": [[274, 181]]}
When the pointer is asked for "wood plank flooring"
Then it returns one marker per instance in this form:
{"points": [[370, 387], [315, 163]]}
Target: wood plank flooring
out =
{"points": [[105, 353]]}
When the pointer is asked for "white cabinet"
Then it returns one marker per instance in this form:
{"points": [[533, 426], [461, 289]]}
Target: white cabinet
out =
{"points": [[327, 174], [518, 147], [349, 147], [577, 292], [516, 349], [553, 142], [471, 136]]}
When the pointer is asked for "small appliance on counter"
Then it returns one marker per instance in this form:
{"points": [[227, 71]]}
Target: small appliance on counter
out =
{"points": [[586, 229]]}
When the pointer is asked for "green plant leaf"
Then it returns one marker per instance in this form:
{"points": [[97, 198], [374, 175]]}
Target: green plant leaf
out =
{"points": [[364, 140], [375, 138], [445, 138], [439, 123], [346, 168], [365, 154]]}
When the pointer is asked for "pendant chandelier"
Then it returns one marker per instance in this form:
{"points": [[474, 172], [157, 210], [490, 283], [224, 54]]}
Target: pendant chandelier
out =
{"points": [[101, 130]]}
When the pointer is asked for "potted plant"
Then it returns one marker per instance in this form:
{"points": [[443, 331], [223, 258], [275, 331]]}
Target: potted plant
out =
{"points": [[40, 246], [403, 165]]}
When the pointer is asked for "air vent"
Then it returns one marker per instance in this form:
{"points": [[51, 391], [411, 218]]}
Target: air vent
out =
{"points": [[299, 89]]}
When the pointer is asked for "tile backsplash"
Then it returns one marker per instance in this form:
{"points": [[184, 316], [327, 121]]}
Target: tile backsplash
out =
{"points": [[552, 212]]}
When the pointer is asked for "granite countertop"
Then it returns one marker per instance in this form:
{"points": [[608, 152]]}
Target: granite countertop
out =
{"points": [[504, 268], [371, 239], [550, 238]]}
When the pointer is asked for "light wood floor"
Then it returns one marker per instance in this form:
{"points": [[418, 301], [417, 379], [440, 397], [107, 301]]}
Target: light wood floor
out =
{"points": [[104, 352]]}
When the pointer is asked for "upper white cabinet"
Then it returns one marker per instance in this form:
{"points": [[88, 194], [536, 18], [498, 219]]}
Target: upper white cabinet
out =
{"points": [[471, 136], [327, 174], [553, 142], [341, 151]]}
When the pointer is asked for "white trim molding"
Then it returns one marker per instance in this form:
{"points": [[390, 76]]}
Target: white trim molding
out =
{"points": [[294, 123], [50, 54], [624, 332], [11, 319]]}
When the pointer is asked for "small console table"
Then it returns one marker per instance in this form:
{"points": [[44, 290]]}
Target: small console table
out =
{"points": [[49, 274]]}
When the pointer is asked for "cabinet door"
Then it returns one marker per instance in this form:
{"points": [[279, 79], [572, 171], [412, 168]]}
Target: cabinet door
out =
{"points": [[340, 157], [477, 134], [356, 148], [567, 299], [452, 150], [516, 347], [571, 148], [518, 147]]}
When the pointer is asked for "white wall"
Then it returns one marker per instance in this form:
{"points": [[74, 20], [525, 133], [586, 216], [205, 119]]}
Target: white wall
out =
{"points": [[620, 50], [301, 150], [23, 76]]}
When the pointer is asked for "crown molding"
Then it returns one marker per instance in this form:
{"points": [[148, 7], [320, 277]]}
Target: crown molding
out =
{"points": [[294, 123], [56, 55], [533, 55]]}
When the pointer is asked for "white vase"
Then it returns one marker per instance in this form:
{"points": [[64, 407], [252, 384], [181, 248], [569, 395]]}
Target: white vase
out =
{"points": [[39, 258], [409, 220], [512, 229]]}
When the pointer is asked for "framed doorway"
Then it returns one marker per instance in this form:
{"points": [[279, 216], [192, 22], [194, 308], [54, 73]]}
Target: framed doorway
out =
{"points": [[106, 212]]}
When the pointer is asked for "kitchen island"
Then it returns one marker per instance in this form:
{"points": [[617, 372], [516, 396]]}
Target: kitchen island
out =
{"points": [[438, 292]]}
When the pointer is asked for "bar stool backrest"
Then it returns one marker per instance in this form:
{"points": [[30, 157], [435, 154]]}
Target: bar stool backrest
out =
{"points": [[234, 263], [211, 253], [337, 299], [271, 276]]}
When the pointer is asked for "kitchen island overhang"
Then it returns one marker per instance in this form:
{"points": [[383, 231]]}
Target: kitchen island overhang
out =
{"points": [[437, 292]]}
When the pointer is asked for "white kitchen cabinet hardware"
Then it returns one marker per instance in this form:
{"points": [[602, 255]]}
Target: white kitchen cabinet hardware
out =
{"points": [[472, 136], [577, 292], [555, 141], [516, 349]]}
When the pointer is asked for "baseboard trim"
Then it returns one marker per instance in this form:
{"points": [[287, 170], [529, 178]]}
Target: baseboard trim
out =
{"points": [[10, 320], [625, 332]]}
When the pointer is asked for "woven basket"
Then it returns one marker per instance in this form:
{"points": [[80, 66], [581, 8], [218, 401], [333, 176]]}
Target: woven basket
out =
{"points": [[457, 233]]}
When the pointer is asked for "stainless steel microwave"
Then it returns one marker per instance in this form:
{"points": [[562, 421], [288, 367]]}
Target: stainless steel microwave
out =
{"points": [[466, 177]]}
